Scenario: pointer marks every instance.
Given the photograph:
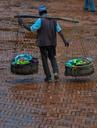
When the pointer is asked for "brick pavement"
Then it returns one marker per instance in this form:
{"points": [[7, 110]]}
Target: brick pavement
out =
{"points": [[28, 102]]}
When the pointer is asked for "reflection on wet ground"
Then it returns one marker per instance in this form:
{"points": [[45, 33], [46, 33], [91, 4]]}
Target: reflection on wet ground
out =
{"points": [[27, 101]]}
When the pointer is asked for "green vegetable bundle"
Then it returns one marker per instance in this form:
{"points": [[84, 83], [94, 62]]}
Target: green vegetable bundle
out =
{"points": [[77, 62], [22, 59]]}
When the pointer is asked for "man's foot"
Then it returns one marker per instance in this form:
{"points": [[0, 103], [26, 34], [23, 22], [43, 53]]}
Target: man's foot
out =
{"points": [[48, 80], [56, 77]]}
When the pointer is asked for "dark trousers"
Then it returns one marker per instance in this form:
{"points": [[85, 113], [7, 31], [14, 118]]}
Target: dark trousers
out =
{"points": [[89, 4], [49, 52]]}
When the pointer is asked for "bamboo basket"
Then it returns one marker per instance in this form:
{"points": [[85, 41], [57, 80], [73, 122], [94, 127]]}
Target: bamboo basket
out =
{"points": [[79, 70], [25, 69]]}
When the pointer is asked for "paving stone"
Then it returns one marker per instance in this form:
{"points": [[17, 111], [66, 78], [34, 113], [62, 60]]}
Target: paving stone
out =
{"points": [[29, 102]]}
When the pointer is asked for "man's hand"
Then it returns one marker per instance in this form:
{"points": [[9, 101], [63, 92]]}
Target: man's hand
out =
{"points": [[66, 43], [20, 21]]}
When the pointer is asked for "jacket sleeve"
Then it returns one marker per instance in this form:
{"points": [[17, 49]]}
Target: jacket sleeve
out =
{"points": [[36, 26]]}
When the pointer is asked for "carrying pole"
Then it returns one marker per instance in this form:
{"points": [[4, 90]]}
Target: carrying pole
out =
{"points": [[49, 17]]}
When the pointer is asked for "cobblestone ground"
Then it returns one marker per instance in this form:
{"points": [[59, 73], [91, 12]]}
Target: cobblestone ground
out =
{"points": [[28, 102]]}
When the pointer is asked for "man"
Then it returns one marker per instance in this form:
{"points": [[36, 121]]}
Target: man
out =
{"points": [[89, 5], [46, 40]]}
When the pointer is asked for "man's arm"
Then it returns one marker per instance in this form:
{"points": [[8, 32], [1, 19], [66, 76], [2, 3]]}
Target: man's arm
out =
{"points": [[64, 40], [59, 30], [33, 27]]}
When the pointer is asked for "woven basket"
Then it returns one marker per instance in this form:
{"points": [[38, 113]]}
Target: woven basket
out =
{"points": [[80, 70], [25, 69]]}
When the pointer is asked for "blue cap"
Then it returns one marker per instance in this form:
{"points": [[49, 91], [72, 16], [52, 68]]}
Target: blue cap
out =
{"points": [[42, 8]]}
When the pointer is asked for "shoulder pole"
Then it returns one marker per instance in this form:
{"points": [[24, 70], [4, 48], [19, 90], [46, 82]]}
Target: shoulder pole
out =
{"points": [[49, 17]]}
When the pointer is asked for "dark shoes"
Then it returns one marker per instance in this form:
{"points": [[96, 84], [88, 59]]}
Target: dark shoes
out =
{"points": [[48, 80], [56, 77]]}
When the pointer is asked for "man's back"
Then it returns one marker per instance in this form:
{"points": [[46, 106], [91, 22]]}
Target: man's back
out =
{"points": [[47, 32]]}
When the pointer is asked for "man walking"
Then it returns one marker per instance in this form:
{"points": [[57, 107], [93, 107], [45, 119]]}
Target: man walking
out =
{"points": [[46, 40], [89, 5]]}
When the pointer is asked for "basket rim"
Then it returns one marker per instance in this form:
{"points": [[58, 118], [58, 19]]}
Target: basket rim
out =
{"points": [[79, 65]]}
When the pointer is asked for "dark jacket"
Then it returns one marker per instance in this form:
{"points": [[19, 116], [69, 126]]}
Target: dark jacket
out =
{"points": [[46, 35]]}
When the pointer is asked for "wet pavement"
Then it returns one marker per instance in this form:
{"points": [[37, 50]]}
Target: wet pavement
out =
{"points": [[27, 101]]}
